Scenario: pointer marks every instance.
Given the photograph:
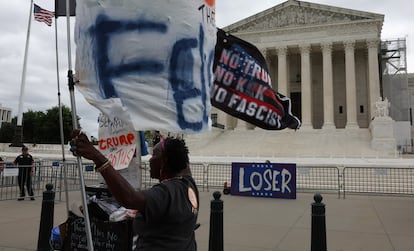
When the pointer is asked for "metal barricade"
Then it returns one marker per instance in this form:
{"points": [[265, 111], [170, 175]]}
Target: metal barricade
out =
{"points": [[47, 172], [8, 179], [217, 174], [370, 180], [379, 180], [146, 179], [198, 171], [314, 178]]}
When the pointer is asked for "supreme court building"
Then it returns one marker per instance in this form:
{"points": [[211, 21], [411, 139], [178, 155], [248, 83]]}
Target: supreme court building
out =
{"points": [[326, 59], [5, 115]]}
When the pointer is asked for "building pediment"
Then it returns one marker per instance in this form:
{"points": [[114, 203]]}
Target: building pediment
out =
{"points": [[294, 13]]}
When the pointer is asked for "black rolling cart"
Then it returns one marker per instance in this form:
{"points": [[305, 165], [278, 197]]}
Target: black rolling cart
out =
{"points": [[106, 235]]}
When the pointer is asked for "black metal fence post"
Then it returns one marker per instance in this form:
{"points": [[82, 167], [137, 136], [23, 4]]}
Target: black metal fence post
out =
{"points": [[318, 239], [216, 223], [46, 219]]}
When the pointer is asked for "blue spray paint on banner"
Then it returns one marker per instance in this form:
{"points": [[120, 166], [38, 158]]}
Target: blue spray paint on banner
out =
{"points": [[264, 180], [103, 32], [180, 69], [182, 80]]}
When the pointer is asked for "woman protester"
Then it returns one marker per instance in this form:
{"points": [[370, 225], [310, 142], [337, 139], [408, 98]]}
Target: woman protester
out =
{"points": [[168, 210]]}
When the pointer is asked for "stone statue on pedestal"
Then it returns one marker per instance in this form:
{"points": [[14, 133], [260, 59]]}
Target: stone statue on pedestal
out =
{"points": [[382, 107], [382, 127]]}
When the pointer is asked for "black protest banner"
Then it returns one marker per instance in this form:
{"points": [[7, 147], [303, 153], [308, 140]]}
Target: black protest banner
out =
{"points": [[242, 86]]}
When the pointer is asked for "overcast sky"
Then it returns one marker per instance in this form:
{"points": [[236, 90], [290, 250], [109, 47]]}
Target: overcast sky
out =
{"points": [[41, 78]]}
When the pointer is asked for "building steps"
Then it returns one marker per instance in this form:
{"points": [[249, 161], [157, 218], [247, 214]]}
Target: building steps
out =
{"points": [[335, 143]]}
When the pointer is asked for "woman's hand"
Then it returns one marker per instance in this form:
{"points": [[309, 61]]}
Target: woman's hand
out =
{"points": [[82, 147]]}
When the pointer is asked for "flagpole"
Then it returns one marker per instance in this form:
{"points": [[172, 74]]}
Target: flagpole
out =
{"points": [[134, 168], [62, 137], [75, 126], [18, 141]]}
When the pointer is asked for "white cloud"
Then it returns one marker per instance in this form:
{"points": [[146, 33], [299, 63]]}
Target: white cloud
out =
{"points": [[41, 81]]}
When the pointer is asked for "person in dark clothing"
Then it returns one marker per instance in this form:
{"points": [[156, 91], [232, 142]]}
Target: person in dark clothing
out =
{"points": [[157, 138], [168, 211], [26, 170], [1, 164]]}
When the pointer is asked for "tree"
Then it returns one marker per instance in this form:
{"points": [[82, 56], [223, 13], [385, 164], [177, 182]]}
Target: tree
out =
{"points": [[40, 127], [32, 122], [7, 131], [51, 125]]}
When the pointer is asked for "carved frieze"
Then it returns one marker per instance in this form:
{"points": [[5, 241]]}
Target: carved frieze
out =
{"points": [[296, 16]]}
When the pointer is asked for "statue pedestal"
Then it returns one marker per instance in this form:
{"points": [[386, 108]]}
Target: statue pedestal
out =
{"points": [[382, 132]]}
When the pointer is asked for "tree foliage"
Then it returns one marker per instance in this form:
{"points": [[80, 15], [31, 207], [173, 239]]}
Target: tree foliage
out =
{"points": [[7, 131], [40, 127]]}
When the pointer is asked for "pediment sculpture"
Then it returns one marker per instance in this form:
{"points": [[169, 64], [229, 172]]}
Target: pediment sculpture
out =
{"points": [[294, 16]]}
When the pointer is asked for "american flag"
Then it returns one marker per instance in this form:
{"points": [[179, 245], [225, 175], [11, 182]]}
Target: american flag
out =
{"points": [[43, 15]]}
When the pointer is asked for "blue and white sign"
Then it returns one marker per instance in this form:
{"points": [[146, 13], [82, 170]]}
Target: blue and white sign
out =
{"points": [[10, 170], [264, 180], [151, 58]]}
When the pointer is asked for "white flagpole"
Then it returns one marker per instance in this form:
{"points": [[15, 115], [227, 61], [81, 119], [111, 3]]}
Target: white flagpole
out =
{"points": [[75, 126], [62, 137], [22, 84]]}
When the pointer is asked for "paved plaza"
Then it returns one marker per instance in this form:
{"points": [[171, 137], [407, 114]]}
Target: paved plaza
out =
{"points": [[359, 222]]}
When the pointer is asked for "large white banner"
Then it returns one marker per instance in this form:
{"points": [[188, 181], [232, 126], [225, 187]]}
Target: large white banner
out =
{"points": [[153, 58]]}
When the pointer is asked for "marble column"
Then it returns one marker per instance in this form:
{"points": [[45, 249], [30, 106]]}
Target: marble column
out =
{"points": [[265, 53], [328, 94], [306, 86], [351, 105], [373, 75], [282, 77]]}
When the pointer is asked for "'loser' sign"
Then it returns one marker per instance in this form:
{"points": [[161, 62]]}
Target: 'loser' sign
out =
{"points": [[264, 180]]}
